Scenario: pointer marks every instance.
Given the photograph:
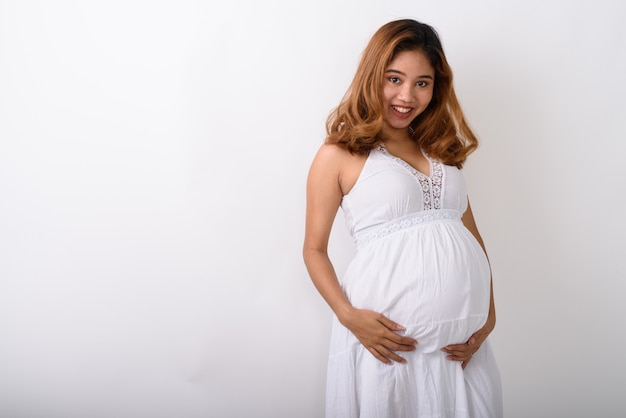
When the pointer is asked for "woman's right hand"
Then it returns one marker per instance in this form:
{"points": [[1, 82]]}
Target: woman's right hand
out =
{"points": [[378, 334]]}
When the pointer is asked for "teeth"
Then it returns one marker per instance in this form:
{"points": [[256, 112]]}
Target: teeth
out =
{"points": [[402, 109]]}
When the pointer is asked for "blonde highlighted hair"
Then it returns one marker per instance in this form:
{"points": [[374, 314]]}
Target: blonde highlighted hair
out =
{"points": [[441, 130]]}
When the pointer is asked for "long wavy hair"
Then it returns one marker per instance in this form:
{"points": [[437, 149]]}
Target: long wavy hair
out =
{"points": [[440, 130]]}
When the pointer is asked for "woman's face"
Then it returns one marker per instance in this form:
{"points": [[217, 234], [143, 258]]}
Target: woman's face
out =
{"points": [[407, 88]]}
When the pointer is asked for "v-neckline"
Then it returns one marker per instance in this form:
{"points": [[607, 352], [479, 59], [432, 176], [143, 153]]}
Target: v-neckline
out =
{"points": [[415, 171]]}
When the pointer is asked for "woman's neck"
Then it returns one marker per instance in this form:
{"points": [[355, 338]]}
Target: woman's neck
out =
{"points": [[396, 136]]}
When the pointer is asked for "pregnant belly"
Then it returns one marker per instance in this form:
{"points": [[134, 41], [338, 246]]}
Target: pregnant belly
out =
{"points": [[434, 280]]}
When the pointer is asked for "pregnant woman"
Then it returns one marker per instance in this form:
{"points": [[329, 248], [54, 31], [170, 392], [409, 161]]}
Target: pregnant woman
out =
{"points": [[415, 306]]}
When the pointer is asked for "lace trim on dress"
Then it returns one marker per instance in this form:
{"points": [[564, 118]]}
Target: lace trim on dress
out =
{"points": [[431, 186], [366, 237]]}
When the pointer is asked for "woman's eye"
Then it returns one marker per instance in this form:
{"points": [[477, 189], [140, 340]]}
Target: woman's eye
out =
{"points": [[394, 80], [422, 83]]}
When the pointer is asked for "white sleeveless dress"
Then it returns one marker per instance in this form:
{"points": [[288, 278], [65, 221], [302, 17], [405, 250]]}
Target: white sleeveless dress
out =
{"points": [[418, 265]]}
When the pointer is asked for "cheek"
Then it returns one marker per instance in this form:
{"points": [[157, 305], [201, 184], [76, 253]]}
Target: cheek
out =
{"points": [[426, 97], [387, 94]]}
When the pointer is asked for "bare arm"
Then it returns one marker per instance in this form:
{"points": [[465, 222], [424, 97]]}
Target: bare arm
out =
{"points": [[323, 199], [324, 194], [464, 352]]}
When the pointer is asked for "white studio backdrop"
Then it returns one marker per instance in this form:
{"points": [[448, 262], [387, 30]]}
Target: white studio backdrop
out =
{"points": [[153, 158]]}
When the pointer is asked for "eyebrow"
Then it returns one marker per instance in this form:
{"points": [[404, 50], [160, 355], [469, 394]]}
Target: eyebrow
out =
{"points": [[391, 70]]}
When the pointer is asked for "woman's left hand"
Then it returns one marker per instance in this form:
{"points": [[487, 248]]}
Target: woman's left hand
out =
{"points": [[464, 352]]}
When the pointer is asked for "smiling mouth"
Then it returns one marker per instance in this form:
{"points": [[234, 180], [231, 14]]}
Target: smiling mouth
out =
{"points": [[401, 109]]}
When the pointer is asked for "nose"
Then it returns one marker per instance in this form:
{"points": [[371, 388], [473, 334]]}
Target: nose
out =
{"points": [[406, 94]]}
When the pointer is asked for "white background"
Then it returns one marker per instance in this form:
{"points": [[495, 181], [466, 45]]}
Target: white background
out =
{"points": [[153, 157]]}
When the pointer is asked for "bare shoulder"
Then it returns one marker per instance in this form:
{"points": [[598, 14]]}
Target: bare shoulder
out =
{"points": [[332, 154], [329, 160], [341, 164]]}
